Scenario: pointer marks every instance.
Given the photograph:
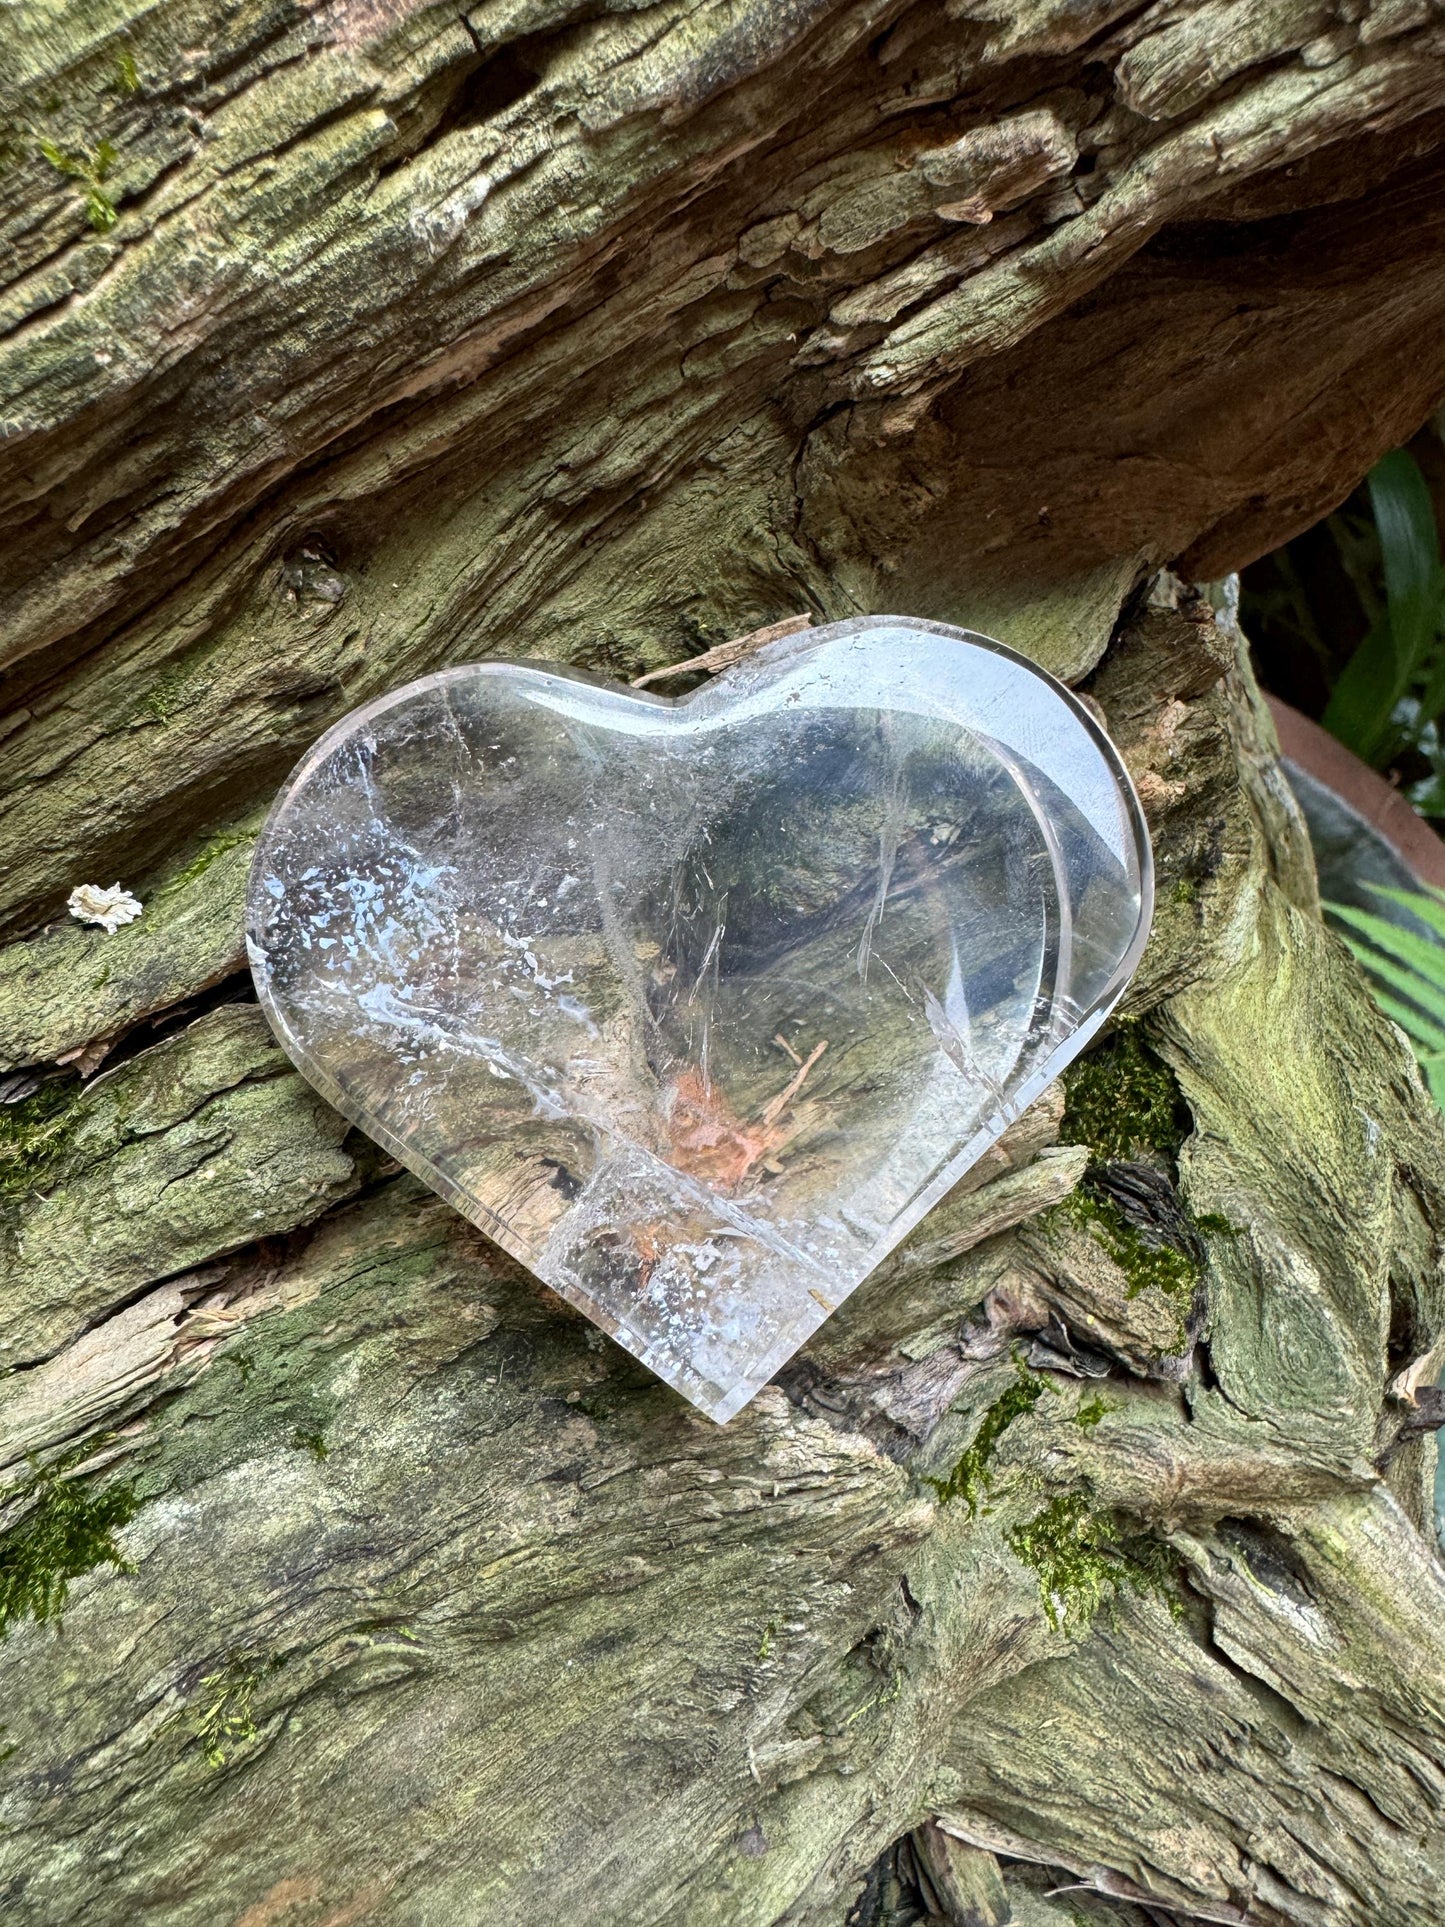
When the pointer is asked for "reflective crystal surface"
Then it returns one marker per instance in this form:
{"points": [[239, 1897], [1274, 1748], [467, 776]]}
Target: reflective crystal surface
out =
{"points": [[697, 1007]]}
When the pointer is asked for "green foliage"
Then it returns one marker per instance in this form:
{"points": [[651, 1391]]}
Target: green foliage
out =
{"points": [[225, 1714], [1408, 972], [970, 1479], [33, 1134], [67, 1531], [1085, 1558], [1091, 1410], [127, 79], [1143, 1264], [1394, 683], [90, 170], [1120, 1100]]}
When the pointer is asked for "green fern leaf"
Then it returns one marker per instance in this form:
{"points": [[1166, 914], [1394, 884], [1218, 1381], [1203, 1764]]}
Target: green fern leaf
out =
{"points": [[1400, 960], [1403, 947], [1428, 905]]}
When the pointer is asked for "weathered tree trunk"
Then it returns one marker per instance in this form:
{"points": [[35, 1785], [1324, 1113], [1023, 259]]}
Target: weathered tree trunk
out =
{"points": [[603, 332]]}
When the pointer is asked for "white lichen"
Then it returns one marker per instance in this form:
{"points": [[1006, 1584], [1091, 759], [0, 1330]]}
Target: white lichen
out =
{"points": [[90, 903]]}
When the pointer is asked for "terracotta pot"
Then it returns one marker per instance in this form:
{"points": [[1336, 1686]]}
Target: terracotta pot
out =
{"points": [[1363, 794]]}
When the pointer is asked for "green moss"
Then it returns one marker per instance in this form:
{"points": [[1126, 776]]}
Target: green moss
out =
{"points": [[1085, 1559], [311, 1442], [1091, 1410], [90, 170], [225, 1713], [1120, 1100], [970, 1479], [67, 1531], [1146, 1266], [162, 700], [1184, 890], [33, 1135], [127, 79], [217, 847], [1122, 1103], [1216, 1223]]}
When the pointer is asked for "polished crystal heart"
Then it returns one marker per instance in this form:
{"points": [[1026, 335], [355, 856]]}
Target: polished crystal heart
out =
{"points": [[697, 1007]]}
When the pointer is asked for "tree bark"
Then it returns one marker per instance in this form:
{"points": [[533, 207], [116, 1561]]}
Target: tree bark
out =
{"points": [[349, 339]]}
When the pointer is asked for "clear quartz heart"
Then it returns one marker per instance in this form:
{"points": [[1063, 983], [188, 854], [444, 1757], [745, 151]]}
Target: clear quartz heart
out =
{"points": [[697, 1007]]}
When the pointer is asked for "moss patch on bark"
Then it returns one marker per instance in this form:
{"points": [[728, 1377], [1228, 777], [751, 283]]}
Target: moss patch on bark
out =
{"points": [[1160, 1266], [33, 1134], [970, 1478], [67, 1531], [1085, 1559], [1122, 1100]]}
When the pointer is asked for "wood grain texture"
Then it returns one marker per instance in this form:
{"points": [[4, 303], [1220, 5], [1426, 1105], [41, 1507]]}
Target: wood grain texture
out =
{"points": [[605, 333]]}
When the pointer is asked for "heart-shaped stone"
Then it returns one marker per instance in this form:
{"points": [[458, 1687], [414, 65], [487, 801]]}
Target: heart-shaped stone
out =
{"points": [[697, 1007]]}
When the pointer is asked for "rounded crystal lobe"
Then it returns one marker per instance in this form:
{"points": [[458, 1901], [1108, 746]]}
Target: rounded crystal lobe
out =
{"points": [[697, 1007]]}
